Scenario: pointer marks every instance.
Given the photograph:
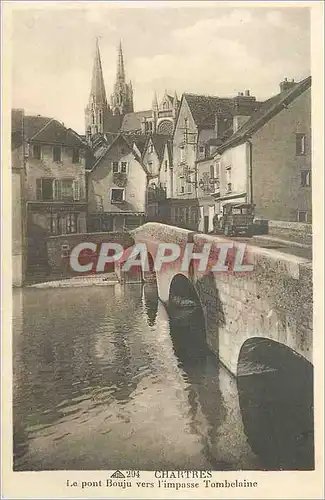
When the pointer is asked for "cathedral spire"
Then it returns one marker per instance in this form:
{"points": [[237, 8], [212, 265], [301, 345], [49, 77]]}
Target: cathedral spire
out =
{"points": [[155, 102], [120, 75], [97, 92], [122, 96], [97, 111]]}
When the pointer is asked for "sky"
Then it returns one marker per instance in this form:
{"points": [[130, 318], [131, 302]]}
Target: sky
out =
{"points": [[210, 49]]}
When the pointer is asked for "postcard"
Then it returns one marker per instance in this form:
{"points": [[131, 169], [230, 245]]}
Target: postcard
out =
{"points": [[162, 258]]}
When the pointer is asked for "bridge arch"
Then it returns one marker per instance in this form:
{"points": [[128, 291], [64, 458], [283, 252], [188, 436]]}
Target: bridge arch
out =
{"points": [[275, 390], [187, 318]]}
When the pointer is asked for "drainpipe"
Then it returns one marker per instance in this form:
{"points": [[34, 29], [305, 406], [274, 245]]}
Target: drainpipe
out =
{"points": [[250, 171]]}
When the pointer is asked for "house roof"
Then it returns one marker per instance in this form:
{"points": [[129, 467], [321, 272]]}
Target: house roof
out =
{"points": [[132, 121], [204, 108], [159, 141], [50, 131], [138, 139], [266, 111], [127, 139]]}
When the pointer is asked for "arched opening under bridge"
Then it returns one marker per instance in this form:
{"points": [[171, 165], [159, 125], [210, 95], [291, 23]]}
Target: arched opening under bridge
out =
{"points": [[275, 388]]}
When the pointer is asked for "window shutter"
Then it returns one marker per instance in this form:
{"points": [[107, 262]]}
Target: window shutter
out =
{"points": [[76, 190], [57, 189], [38, 189], [81, 190]]}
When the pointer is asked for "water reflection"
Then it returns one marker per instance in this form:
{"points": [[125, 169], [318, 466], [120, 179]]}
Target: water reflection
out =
{"points": [[105, 377], [150, 299], [95, 386]]}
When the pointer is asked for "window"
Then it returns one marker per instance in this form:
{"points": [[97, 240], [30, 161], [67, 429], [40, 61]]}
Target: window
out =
{"points": [[201, 149], [107, 224], [150, 148], [132, 221], [305, 178], [150, 166], [228, 179], [189, 188], [182, 190], [37, 151], [71, 223], [117, 195], [124, 167], [182, 154], [115, 167], [302, 215], [300, 144], [44, 189], [67, 190], [54, 224], [57, 153], [75, 155], [166, 165]]}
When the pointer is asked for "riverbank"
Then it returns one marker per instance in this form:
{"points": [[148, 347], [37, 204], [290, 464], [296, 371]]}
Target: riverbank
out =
{"points": [[107, 279]]}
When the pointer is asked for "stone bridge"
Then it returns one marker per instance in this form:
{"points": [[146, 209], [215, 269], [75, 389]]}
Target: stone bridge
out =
{"points": [[244, 312]]}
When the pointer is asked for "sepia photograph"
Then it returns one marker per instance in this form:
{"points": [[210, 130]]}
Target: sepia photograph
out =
{"points": [[161, 173]]}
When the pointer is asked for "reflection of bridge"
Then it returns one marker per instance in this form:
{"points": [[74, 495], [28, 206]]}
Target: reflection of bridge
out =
{"points": [[272, 302]]}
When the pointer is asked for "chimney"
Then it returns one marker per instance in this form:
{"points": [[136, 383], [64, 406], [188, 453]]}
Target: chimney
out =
{"points": [[244, 105], [286, 85]]}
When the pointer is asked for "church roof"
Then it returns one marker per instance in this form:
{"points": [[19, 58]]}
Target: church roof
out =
{"points": [[132, 121]]}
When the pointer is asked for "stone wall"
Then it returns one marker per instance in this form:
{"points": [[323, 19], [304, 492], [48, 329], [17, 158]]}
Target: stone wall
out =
{"points": [[274, 301], [59, 248], [293, 231]]}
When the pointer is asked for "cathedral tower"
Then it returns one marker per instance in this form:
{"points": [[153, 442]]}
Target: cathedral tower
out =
{"points": [[98, 111], [122, 97]]}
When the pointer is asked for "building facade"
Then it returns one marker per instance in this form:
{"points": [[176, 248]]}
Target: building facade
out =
{"points": [[203, 124], [55, 183], [267, 161], [18, 180], [117, 188]]}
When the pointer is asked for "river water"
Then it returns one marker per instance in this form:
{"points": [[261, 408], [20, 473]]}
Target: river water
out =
{"points": [[103, 381]]}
